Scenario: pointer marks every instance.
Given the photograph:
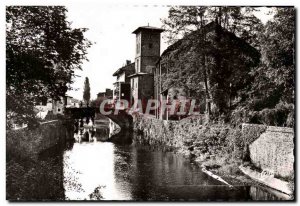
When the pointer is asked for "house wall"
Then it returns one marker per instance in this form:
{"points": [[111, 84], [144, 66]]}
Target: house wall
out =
{"points": [[145, 89], [44, 108], [134, 89], [59, 106], [121, 77]]}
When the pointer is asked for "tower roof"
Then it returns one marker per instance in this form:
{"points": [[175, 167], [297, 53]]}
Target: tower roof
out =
{"points": [[147, 28]]}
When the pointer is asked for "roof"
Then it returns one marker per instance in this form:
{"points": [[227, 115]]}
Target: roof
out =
{"points": [[149, 28], [138, 74], [124, 68], [205, 28], [185, 42]]}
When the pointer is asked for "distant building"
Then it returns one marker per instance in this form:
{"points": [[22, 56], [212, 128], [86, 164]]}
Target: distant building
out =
{"points": [[147, 54], [122, 85], [71, 102], [52, 106], [55, 106], [59, 105], [108, 94]]}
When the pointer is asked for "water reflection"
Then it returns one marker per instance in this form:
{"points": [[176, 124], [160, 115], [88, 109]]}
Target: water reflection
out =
{"points": [[98, 170], [91, 167], [105, 171], [86, 130], [264, 193]]}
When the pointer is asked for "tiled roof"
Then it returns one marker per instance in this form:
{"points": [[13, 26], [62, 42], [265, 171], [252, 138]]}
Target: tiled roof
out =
{"points": [[147, 28], [126, 67]]}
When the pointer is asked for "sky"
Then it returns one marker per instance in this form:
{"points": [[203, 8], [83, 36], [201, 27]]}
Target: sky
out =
{"points": [[110, 29]]}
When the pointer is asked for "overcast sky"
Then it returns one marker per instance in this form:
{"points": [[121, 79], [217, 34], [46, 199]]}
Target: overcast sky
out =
{"points": [[110, 27]]}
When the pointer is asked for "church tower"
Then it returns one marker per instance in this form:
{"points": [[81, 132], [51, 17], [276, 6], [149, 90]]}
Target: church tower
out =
{"points": [[146, 56]]}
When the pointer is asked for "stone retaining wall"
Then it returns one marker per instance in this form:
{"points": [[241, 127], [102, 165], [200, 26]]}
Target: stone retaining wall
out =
{"points": [[270, 148], [26, 143], [274, 151], [178, 135]]}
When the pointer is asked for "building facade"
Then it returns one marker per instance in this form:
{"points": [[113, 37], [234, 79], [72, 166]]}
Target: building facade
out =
{"points": [[108, 94], [211, 43], [54, 107], [146, 56], [121, 89]]}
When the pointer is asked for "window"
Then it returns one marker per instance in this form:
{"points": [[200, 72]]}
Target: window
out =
{"points": [[138, 44], [137, 48], [138, 65], [150, 45], [58, 110]]}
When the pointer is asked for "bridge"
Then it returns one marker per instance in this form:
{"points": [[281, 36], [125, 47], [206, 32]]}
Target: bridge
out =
{"points": [[122, 118]]}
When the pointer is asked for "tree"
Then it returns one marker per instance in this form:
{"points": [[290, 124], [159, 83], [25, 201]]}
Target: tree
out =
{"points": [[43, 52], [217, 58], [279, 51], [241, 21], [86, 91], [271, 95]]}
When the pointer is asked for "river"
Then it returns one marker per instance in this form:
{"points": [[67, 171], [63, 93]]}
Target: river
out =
{"points": [[96, 169]]}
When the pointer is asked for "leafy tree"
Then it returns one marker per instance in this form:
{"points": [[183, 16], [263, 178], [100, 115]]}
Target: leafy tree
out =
{"points": [[279, 51], [86, 91], [42, 53], [220, 60], [241, 21], [271, 95]]}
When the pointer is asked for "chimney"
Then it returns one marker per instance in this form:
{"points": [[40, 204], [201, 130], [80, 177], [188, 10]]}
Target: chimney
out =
{"points": [[128, 62]]}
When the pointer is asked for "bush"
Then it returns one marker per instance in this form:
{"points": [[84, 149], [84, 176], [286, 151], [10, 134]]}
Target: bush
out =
{"points": [[281, 115], [38, 180], [277, 116]]}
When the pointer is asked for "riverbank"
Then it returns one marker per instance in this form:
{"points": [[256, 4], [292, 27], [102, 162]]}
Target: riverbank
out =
{"points": [[219, 148], [29, 175]]}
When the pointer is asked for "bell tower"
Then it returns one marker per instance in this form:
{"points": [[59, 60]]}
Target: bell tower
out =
{"points": [[146, 56], [147, 48]]}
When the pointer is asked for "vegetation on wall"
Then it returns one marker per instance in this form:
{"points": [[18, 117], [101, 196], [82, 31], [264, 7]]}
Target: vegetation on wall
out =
{"points": [[241, 85]]}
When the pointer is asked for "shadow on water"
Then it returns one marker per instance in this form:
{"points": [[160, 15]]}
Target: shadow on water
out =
{"points": [[127, 170], [91, 167]]}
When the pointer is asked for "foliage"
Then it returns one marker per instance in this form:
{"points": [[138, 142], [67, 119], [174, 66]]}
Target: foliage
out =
{"points": [[213, 56], [224, 69], [42, 53], [279, 51], [97, 194], [269, 99], [241, 21], [275, 79], [86, 91], [30, 173], [34, 180]]}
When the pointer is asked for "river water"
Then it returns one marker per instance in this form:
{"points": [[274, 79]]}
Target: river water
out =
{"points": [[95, 169], [92, 168]]}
